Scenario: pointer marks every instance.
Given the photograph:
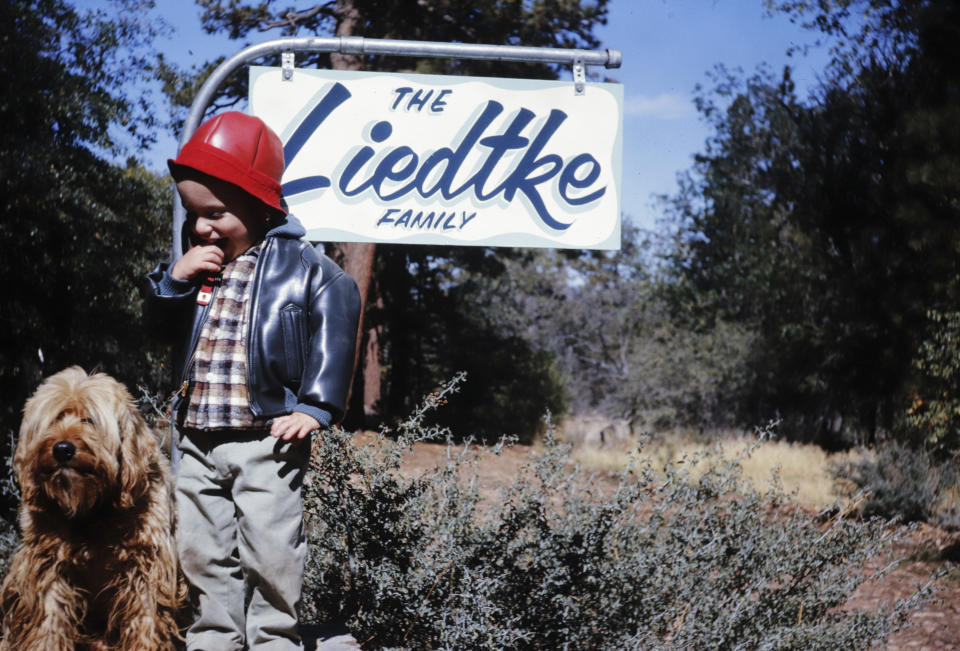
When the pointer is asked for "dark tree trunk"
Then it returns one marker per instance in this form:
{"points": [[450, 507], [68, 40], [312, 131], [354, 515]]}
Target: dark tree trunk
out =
{"points": [[357, 258]]}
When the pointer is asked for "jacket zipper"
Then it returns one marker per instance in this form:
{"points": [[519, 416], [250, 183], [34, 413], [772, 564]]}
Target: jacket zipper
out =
{"points": [[253, 308], [195, 337]]}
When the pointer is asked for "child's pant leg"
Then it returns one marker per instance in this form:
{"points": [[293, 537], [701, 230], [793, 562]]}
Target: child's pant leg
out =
{"points": [[241, 537], [206, 542], [271, 540]]}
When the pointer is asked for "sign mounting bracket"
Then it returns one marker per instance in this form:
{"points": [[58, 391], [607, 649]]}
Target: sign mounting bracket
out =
{"points": [[579, 76], [287, 64]]}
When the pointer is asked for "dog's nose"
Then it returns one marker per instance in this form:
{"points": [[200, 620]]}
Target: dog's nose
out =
{"points": [[64, 451]]}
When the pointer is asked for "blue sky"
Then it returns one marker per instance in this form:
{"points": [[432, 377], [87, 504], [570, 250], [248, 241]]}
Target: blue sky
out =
{"points": [[668, 46]]}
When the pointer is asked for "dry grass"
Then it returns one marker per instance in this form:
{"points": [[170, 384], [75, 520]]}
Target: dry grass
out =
{"points": [[803, 469]]}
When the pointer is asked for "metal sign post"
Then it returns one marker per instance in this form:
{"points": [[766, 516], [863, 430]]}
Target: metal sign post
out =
{"points": [[577, 59]]}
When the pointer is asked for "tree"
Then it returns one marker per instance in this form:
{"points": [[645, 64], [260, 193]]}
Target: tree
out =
{"points": [[830, 224], [78, 231], [934, 413], [554, 23], [617, 348]]}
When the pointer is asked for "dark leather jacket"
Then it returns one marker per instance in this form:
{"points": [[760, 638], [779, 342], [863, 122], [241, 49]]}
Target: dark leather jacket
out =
{"points": [[301, 327]]}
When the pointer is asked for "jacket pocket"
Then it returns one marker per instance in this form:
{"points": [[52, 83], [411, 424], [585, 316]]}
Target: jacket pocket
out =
{"points": [[294, 342]]}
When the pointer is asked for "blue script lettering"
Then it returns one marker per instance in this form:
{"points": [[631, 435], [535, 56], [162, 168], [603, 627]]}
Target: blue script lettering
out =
{"points": [[419, 99], [569, 177], [402, 171], [336, 96], [422, 220]]}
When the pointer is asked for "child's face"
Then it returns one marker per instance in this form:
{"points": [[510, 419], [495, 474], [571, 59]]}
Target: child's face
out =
{"points": [[221, 214]]}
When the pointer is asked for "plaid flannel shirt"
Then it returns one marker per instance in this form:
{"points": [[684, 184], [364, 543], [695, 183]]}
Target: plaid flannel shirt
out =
{"points": [[217, 397]]}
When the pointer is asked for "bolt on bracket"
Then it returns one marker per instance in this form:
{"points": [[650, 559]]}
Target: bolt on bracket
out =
{"points": [[579, 76]]}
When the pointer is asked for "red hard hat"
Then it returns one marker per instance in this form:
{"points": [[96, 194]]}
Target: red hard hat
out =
{"points": [[239, 149]]}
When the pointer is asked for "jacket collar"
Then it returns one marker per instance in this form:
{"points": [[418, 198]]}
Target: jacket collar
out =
{"points": [[289, 228]]}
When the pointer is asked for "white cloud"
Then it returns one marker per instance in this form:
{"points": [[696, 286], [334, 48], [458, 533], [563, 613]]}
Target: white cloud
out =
{"points": [[665, 106]]}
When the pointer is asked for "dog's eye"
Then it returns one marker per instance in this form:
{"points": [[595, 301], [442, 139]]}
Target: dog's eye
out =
{"points": [[86, 420]]}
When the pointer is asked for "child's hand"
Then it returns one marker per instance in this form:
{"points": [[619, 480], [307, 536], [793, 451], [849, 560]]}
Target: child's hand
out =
{"points": [[198, 260], [296, 425]]}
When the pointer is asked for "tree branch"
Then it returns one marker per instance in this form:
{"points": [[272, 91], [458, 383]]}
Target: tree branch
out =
{"points": [[292, 19]]}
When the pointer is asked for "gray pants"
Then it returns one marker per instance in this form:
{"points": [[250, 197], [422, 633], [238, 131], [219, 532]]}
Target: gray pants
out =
{"points": [[241, 539]]}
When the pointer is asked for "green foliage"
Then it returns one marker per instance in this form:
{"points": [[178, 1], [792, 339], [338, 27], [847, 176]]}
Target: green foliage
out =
{"points": [[511, 385], [619, 350], [78, 232], [9, 494], [432, 324], [908, 483], [829, 225], [654, 559], [934, 414]]}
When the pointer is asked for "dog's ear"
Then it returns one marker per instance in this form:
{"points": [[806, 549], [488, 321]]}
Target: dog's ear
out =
{"points": [[138, 455], [36, 418]]}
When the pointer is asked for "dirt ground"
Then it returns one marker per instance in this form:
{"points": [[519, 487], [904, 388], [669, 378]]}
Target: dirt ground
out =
{"points": [[935, 626]]}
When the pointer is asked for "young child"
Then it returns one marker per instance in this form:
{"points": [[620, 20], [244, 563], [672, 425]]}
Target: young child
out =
{"points": [[267, 326]]}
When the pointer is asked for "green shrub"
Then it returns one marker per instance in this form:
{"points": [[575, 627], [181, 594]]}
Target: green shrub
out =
{"points": [[9, 494], [656, 559], [935, 411], [903, 482]]}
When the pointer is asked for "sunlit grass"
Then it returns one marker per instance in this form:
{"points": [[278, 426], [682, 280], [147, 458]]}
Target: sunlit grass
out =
{"points": [[803, 469]]}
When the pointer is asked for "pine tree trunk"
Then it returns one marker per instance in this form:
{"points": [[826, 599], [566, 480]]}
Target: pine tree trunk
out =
{"points": [[357, 258]]}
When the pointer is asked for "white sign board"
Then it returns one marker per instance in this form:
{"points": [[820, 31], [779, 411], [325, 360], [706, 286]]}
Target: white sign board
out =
{"points": [[429, 159]]}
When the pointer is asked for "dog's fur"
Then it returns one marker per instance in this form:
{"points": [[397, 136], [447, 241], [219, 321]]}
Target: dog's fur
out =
{"points": [[97, 567]]}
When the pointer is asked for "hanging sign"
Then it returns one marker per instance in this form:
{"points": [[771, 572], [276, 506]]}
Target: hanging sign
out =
{"points": [[430, 159]]}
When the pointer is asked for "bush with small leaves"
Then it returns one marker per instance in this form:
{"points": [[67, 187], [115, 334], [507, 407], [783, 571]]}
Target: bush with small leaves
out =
{"points": [[908, 483], [934, 414], [9, 494], [659, 558]]}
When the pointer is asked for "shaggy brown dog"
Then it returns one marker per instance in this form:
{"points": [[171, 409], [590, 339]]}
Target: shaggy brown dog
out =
{"points": [[97, 567]]}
